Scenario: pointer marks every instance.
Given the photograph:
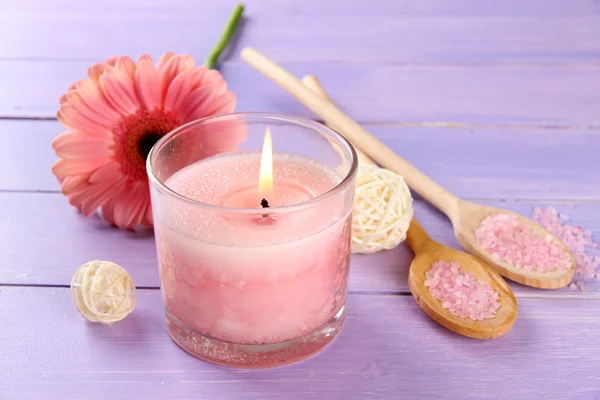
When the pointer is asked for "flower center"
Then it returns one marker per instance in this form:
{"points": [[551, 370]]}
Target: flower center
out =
{"points": [[134, 137], [146, 142]]}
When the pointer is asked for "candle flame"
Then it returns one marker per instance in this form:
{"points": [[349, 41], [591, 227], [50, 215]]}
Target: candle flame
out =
{"points": [[265, 178]]}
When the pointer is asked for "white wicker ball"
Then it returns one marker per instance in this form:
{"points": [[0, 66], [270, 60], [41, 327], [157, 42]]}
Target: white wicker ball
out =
{"points": [[103, 292], [382, 210]]}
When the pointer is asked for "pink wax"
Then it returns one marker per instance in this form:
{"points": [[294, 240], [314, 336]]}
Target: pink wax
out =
{"points": [[228, 275]]}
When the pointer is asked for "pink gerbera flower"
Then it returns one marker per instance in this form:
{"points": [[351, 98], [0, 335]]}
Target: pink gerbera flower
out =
{"points": [[115, 117]]}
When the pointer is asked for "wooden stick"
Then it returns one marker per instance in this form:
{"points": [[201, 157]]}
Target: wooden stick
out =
{"points": [[416, 235], [380, 153], [313, 83]]}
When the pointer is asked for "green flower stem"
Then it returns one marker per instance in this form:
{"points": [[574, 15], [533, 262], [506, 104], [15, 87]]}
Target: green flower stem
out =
{"points": [[230, 28]]}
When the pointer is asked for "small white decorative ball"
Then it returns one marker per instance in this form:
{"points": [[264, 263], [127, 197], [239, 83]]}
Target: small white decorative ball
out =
{"points": [[103, 292], [382, 210]]}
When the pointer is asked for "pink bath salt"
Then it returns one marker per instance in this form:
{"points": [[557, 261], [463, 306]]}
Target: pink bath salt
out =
{"points": [[581, 286], [509, 240], [574, 237], [459, 291]]}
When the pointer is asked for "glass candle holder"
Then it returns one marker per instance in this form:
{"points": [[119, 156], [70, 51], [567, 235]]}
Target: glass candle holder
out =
{"points": [[244, 283]]}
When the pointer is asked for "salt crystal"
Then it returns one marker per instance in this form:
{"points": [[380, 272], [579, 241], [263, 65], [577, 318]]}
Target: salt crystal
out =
{"points": [[581, 286], [461, 292], [574, 237], [513, 242]]}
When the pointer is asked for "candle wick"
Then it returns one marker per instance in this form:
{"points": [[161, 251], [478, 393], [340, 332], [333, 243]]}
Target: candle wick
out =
{"points": [[265, 204]]}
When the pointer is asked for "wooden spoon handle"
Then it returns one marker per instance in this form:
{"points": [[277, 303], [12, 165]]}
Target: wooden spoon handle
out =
{"points": [[313, 83], [416, 235], [384, 156]]}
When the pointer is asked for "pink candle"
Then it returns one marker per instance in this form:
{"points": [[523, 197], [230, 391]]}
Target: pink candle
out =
{"points": [[245, 285]]}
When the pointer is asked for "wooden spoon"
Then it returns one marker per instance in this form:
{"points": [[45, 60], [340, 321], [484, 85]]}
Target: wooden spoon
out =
{"points": [[427, 251], [464, 215]]}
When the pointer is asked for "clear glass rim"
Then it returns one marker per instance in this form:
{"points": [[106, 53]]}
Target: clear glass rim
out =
{"points": [[297, 120]]}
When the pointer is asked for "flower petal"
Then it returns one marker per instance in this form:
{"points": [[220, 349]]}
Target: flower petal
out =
{"points": [[214, 77], [163, 60], [71, 183], [147, 83], [224, 104], [64, 168], [197, 102], [95, 71], [109, 172], [108, 208], [73, 119], [147, 220], [95, 200], [126, 64], [77, 146], [88, 194], [74, 99], [120, 207], [178, 90], [138, 216], [141, 203], [63, 98], [119, 91], [219, 105], [79, 193], [173, 67], [92, 96], [144, 57], [111, 60], [98, 195], [62, 139], [127, 207], [144, 201]]}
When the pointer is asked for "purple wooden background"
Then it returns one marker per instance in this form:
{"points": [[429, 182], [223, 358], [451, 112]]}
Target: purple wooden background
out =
{"points": [[498, 101]]}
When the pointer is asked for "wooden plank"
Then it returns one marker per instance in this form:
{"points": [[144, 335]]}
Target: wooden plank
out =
{"points": [[471, 162], [504, 96], [45, 240], [387, 347], [374, 8], [293, 37], [26, 155]]}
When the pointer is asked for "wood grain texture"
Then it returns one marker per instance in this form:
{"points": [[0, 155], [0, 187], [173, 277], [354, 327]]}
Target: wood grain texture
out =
{"points": [[388, 347], [314, 8], [292, 37], [45, 240], [471, 162], [506, 96]]}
